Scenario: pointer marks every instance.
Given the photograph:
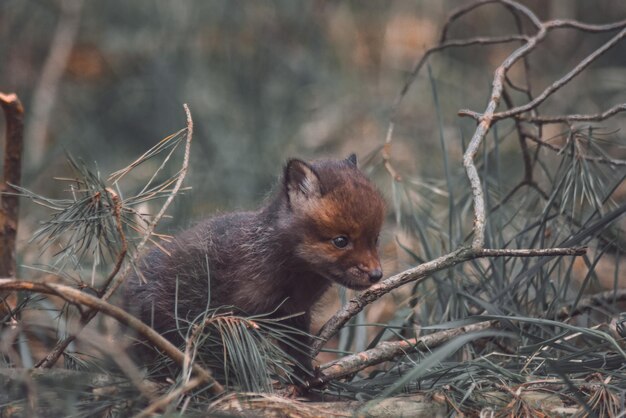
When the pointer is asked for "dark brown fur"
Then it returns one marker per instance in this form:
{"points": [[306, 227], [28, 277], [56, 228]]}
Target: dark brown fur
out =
{"points": [[280, 256]]}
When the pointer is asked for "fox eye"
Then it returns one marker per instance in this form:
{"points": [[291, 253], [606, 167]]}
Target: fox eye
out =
{"points": [[341, 241]]}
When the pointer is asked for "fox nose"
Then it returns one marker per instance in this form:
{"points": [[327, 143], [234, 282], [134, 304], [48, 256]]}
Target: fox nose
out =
{"points": [[375, 275]]}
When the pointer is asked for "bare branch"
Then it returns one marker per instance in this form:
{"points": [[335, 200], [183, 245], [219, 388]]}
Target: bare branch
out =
{"points": [[83, 299], [389, 350], [419, 273], [598, 117], [544, 252], [463, 10], [563, 80], [179, 182], [485, 122], [456, 43], [585, 27]]}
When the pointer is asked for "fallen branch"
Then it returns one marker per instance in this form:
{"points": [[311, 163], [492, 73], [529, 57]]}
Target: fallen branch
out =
{"points": [[389, 350], [79, 298]]}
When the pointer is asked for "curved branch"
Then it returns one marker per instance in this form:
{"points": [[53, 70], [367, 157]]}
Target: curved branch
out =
{"points": [[585, 27], [456, 43], [389, 350], [150, 229], [83, 299], [419, 273], [563, 80]]}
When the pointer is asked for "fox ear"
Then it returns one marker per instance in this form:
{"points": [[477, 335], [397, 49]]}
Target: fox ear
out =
{"points": [[352, 159], [301, 182]]}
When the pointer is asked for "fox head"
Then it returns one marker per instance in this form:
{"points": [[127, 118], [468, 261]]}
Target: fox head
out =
{"points": [[338, 214]]}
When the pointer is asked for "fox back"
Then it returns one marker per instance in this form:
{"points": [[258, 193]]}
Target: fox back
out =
{"points": [[319, 227]]}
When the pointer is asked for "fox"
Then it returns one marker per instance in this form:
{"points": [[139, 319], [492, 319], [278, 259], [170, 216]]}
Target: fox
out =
{"points": [[320, 226]]}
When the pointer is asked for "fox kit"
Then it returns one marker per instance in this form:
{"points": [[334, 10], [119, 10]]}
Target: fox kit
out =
{"points": [[320, 227]]}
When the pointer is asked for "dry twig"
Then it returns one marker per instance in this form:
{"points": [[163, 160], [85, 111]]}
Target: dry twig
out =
{"points": [[79, 298], [114, 280]]}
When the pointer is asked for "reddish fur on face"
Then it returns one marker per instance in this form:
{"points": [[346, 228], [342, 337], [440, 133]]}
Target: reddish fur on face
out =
{"points": [[341, 202]]}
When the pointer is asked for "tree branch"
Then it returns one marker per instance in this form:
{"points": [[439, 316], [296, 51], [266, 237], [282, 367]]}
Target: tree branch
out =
{"points": [[389, 350], [598, 117], [79, 298], [563, 80], [9, 203], [419, 273], [149, 231], [113, 281]]}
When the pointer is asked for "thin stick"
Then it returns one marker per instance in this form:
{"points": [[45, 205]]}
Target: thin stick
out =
{"points": [[150, 229], [597, 117]]}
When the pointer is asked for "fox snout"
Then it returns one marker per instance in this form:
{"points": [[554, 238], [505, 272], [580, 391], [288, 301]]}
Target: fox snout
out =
{"points": [[374, 274], [361, 276]]}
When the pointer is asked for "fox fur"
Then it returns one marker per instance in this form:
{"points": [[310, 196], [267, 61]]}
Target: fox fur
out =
{"points": [[319, 227]]}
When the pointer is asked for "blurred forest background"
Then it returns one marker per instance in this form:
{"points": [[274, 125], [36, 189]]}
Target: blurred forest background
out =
{"points": [[266, 81], [269, 80]]}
